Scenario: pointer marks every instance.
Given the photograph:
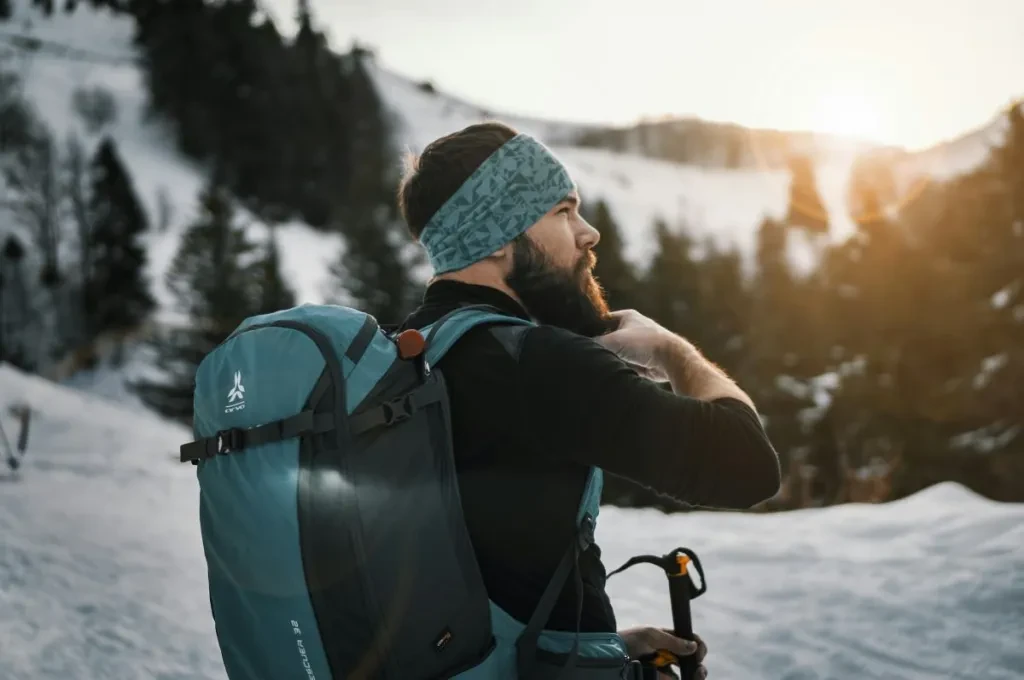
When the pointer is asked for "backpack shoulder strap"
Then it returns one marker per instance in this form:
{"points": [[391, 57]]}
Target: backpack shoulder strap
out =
{"points": [[442, 335]]}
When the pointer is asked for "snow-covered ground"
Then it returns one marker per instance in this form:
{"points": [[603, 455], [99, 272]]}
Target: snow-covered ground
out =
{"points": [[102, 572]]}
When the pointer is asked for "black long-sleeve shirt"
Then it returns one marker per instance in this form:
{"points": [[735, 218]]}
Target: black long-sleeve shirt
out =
{"points": [[527, 425]]}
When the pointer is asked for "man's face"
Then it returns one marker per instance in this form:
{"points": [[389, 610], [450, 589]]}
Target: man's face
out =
{"points": [[552, 272]]}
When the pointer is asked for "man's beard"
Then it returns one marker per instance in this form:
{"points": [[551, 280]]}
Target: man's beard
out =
{"points": [[570, 299]]}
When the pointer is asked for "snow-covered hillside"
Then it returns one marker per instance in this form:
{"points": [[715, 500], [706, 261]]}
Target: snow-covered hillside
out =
{"points": [[724, 205], [102, 573], [93, 48]]}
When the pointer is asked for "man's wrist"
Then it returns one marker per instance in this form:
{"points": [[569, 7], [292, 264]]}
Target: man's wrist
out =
{"points": [[676, 356], [674, 351], [692, 374]]}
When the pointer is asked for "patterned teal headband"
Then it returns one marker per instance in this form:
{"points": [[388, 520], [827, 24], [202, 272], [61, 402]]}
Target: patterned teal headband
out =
{"points": [[516, 186]]}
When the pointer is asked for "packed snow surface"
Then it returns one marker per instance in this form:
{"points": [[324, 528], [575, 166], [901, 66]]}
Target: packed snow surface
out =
{"points": [[102, 572]]}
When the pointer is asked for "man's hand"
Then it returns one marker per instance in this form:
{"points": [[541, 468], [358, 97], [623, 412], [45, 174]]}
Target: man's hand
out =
{"points": [[661, 355], [642, 641], [639, 342]]}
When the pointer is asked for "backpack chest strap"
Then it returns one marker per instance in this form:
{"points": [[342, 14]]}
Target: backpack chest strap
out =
{"points": [[397, 410], [237, 439]]}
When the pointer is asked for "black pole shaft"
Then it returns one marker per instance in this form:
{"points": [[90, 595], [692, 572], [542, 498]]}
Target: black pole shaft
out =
{"points": [[9, 458], [26, 416], [679, 589], [3, 297]]}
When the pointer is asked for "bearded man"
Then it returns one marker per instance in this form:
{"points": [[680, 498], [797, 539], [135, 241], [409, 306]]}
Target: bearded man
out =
{"points": [[533, 412]]}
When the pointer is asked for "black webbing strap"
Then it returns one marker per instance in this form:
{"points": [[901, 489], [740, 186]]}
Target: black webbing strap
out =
{"points": [[437, 325], [396, 410], [639, 559], [361, 341], [526, 645], [237, 439]]}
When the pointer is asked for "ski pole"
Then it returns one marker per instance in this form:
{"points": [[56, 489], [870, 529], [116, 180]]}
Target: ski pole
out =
{"points": [[682, 590]]}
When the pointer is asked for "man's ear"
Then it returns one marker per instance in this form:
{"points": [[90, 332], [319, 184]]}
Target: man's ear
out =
{"points": [[502, 257]]}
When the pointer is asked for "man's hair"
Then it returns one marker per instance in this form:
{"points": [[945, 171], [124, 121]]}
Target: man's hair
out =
{"points": [[445, 164]]}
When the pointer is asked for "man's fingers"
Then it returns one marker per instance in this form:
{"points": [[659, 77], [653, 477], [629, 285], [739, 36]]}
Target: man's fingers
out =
{"points": [[701, 673], [702, 649], [661, 639]]}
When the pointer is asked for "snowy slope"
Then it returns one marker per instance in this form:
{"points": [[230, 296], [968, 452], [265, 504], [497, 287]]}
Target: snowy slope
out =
{"points": [[954, 157], [98, 51], [93, 47], [426, 115], [102, 572], [724, 205]]}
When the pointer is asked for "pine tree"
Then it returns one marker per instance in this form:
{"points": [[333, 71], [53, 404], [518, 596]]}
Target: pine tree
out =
{"points": [[76, 190], [34, 197], [18, 118], [33, 175], [771, 363], [179, 51], [324, 114], [617, 276], [278, 115], [117, 295], [215, 291], [871, 188], [671, 289], [45, 5], [371, 274], [994, 379], [725, 307], [806, 209], [244, 93], [17, 322], [373, 271], [274, 292]]}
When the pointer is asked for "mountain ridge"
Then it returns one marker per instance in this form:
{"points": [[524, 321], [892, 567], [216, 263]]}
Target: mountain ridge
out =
{"points": [[722, 204]]}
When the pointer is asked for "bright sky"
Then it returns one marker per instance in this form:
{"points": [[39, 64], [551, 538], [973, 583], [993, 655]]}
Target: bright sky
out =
{"points": [[908, 72]]}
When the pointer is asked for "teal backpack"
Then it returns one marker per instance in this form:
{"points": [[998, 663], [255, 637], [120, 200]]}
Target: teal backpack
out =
{"points": [[331, 519]]}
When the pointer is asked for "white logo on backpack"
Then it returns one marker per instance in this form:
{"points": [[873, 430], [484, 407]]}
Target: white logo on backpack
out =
{"points": [[236, 395]]}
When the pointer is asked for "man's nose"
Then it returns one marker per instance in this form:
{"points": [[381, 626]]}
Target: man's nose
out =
{"points": [[586, 235]]}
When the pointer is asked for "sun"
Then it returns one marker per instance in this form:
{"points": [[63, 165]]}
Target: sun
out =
{"points": [[847, 113]]}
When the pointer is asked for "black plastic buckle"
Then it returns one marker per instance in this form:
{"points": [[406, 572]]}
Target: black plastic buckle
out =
{"points": [[586, 537], [230, 440], [397, 410]]}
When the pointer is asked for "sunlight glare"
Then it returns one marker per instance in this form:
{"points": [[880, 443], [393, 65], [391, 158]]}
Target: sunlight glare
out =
{"points": [[847, 113]]}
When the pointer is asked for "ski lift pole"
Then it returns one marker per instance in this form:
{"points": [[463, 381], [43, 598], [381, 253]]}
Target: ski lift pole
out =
{"points": [[26, 416], [12, 462]]}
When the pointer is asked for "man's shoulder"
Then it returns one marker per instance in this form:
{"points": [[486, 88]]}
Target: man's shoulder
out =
{"points": [[547, 338], [530, 342], [557, 351]]}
